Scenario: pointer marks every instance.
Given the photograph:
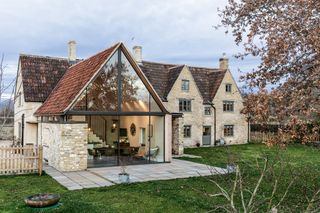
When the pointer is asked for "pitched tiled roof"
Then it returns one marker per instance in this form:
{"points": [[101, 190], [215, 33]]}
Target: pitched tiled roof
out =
{"points": [[163, 76], [40, 75], [56, 83], [72, 82], [157, 74]]}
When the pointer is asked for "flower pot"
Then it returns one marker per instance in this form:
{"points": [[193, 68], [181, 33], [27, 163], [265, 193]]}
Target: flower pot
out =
{"points": [[231, 168], [124, 177]]}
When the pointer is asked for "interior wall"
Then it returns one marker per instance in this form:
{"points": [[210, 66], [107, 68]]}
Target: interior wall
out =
{"points": [[139, 122]]}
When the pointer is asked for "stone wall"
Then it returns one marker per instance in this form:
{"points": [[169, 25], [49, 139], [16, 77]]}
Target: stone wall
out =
{"points": [[177, 136], [230, 118], [197, 119], [65, 145]]}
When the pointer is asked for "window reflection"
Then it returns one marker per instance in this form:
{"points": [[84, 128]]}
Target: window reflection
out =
{"points": [[102, 94]]}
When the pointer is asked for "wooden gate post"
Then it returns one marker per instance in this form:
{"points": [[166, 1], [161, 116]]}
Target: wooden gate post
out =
{"points": [[40, 160]]}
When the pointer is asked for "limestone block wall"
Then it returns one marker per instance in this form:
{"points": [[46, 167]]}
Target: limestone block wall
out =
{"points": [[196, 117], [65, 145], [177, 136], [230, 118]]}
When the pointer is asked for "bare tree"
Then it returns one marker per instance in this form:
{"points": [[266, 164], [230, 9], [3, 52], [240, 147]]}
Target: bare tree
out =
{"points": [[5, 87]]}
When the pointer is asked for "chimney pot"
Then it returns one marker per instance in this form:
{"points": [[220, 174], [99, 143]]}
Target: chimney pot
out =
{"points": [[72, 56], [137, 53], [224, 62]]}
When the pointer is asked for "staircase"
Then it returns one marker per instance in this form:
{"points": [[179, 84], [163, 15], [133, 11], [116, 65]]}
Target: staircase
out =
{"points": [[94, 139]]}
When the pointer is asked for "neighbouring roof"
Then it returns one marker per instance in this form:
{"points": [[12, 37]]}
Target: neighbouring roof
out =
{"points": [[163, 76], [72, 82], [40, 74]]}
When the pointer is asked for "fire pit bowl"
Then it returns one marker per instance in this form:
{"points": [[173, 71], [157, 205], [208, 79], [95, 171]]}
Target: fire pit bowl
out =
{"points": [[42, 200]]}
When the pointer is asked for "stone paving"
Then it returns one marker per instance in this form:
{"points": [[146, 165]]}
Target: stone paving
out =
{"points": [[107, 176]]}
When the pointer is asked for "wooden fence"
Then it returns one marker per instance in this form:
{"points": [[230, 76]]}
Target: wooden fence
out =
{"points": [[20, 160], [261, 136]]}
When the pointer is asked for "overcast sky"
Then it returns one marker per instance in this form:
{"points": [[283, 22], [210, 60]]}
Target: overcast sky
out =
{"points": [[179, 31]]}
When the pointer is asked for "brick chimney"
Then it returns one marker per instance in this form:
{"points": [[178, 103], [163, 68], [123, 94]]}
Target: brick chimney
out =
{"points": [[137, 53], [224, 62], [72, 56]]}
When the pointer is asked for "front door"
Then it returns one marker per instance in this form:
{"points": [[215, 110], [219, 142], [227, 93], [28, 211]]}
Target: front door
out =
{"points": [[206, 135]]}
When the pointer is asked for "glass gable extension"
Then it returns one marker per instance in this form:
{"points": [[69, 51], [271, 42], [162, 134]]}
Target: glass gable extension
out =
{"points": [[125, 124]]}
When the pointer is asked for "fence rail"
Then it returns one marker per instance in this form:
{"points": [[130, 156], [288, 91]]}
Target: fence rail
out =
{"points": [[21, 160]]}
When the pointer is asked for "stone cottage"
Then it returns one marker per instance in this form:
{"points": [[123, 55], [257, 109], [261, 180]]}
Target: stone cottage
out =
{"points": [[115, 107]]}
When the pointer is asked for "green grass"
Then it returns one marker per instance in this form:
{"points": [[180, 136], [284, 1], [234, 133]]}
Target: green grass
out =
{"points": [[181, 195]]}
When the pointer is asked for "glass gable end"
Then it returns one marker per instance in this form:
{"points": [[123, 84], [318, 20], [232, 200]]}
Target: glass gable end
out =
{"points": [[135, 95], [117, 88]]}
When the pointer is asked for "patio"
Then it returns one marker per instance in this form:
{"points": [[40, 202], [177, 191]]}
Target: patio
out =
{"points": [[107, 176]]}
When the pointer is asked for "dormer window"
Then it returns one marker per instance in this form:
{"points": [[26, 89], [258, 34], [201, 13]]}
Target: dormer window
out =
{"points": [[228, 87], [185, 85]]}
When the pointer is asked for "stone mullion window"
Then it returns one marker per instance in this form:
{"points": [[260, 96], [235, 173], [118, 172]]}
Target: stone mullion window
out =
{"points": [[228, 106], [228, 130], [184, 105]]}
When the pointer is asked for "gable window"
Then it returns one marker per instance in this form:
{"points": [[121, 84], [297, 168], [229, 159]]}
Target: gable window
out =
{"points": [[228, 130], [185, 85], [207, 110], [184, 105], [187, 131], [228, 87], [228, 106]]}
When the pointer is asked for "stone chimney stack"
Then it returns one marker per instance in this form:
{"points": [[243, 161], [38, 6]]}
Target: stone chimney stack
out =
{"points": [[137, 53], [72, 56], [224, 62]]}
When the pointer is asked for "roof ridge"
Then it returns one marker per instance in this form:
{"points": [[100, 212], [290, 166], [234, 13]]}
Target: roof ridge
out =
{"points": [[181, 65], [44, 56], [153, 62], [207, 68], [177, 65]]}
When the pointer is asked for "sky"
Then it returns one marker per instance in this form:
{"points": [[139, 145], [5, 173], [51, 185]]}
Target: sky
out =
{"points": [[179, 31]]}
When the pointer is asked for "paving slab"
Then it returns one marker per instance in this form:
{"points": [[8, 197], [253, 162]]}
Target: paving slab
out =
{"points": [[108, 176]]}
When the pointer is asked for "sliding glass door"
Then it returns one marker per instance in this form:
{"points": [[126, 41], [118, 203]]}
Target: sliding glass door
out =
{"points": [[125, 140]]}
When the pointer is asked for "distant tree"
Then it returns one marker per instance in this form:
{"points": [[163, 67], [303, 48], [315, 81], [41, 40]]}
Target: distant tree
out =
{"points": [[6, 105], [285, 35]]}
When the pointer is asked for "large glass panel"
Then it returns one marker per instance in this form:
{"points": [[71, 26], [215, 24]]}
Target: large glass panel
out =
{"points": [[102, 93], [135, 95], [114, 140], [103, 136], [156, 133]]}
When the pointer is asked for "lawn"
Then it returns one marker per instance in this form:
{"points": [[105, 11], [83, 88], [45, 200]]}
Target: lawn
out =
{"points": [[180, 195]]}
